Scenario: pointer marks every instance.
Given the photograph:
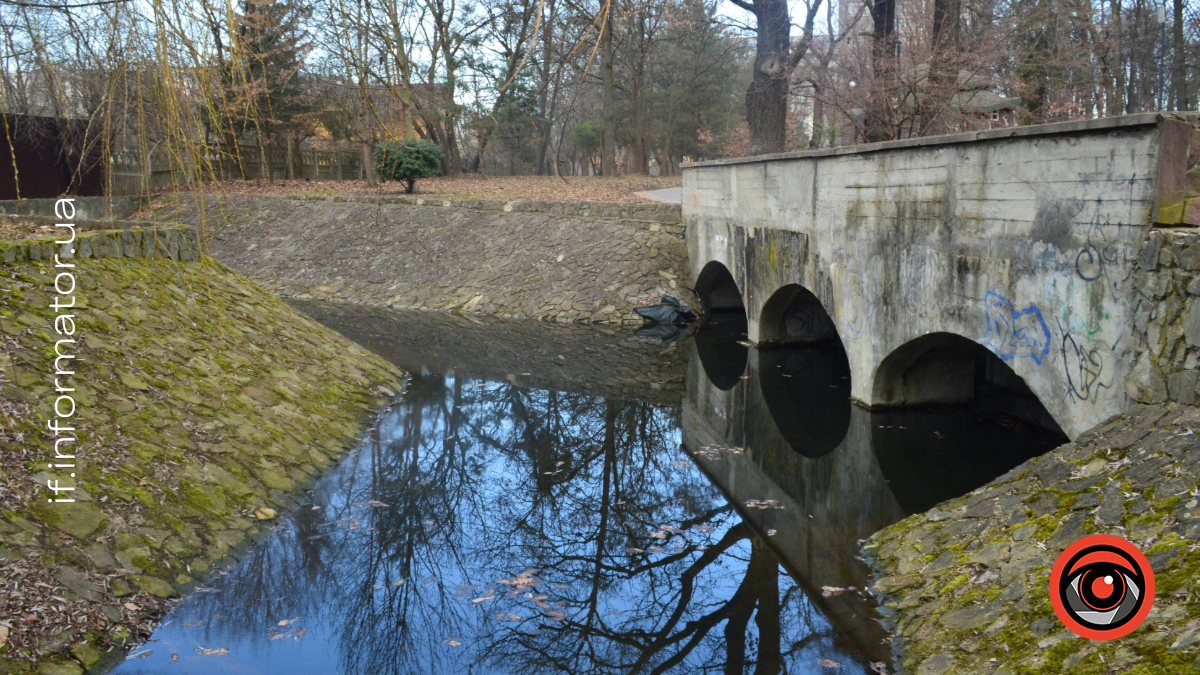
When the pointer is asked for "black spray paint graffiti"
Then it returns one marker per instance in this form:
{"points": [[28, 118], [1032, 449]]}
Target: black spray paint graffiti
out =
{"points": [[1084, 369], [1098, 255], [809, 322]]}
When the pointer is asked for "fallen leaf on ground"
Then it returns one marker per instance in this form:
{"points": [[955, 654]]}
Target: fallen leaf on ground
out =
{"points": [[132, 607], [830, 591], [3, 635]]}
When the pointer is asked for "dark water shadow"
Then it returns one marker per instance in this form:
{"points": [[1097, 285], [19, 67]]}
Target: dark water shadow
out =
{"points": [[807, 391], [719, 345]]}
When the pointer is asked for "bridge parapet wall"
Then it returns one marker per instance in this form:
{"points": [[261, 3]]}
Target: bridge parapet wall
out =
{"points": [[1025, 241]]}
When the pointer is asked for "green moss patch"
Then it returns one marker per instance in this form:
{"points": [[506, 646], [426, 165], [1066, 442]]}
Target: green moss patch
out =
{"points": [[201, 400], [989, 610]]}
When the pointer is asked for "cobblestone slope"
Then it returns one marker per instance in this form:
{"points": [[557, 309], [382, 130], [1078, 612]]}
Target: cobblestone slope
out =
{"points": [[965, 585], [562, 261]]}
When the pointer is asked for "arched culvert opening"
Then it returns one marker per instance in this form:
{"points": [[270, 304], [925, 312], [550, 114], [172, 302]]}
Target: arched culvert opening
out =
{"points": [[794, 316], [721, 338], [807, 392], [951, 416], [948, 369], [717, 290], [804, 375]]}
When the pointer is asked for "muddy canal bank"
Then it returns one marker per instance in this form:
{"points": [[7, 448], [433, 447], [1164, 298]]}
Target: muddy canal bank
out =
{"points": [[964, 584]]}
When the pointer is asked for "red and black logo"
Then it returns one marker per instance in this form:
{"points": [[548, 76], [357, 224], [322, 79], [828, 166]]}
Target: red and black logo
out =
{"points": [[1101, 587]]}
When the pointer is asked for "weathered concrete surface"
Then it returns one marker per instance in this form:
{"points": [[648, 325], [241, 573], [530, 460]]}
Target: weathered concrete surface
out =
{"points": [[966, 583], [1022, 240], [570, 262], [593, 360]]}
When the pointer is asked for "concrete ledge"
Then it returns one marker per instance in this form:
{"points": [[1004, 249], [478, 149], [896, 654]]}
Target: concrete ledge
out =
{"points": [[1057, 128]]}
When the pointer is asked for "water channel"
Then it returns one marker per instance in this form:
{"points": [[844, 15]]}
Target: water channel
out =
{"points": [[568, 499]]}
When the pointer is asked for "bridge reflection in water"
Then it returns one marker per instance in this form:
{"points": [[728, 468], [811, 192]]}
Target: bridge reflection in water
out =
{"points": [[777, 427], [525, 509]]}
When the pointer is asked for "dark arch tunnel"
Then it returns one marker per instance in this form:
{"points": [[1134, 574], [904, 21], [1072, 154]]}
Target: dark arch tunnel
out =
{"points": [[804, 373], [950, 416], [719, 343]]}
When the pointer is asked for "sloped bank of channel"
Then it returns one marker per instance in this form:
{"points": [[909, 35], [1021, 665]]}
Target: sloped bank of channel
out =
{"points": [[570, 262], [204, 405], [965, 584]]}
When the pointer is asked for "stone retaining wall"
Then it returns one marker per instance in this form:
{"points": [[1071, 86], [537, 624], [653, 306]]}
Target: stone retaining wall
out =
{"points": [[567, 262], [137, 241], [1167, 319]]}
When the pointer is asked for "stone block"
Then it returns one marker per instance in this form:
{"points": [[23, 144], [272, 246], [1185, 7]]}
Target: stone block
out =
{"points": [[1181, 386], [1148, 259]]}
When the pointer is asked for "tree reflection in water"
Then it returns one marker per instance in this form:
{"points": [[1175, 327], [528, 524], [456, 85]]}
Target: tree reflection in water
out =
{"points": [[488, 528]]}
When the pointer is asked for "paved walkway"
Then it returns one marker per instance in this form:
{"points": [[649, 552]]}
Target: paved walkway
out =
{"points": [[668, 196]]}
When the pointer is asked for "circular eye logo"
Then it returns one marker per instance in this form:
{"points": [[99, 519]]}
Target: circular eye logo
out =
{"points": [[1101, 587]]}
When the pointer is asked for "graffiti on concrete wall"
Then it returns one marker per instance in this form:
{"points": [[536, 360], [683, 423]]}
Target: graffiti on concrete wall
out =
{"points": [[1084, 367], [1096, 258], [851, 328], [1014, 333], [809, 322]]}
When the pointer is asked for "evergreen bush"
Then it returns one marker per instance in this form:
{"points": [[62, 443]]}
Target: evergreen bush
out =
{"points": [[408, 161]]}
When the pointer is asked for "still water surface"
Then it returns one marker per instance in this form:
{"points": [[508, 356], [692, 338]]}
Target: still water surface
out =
{"points": [[548, 499]]}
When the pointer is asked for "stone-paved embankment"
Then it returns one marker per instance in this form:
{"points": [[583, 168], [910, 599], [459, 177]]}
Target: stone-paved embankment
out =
{"points": [[563, 261], [965, 585], [204, 404]]}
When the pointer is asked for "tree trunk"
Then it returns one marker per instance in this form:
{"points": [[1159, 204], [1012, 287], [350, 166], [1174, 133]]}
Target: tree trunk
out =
{"points": [[943, 71], [287, 142], [1179, 77], [368, 164], [766, 99], [1117, 106], [608, 139], [818, 129], [883, 67]]}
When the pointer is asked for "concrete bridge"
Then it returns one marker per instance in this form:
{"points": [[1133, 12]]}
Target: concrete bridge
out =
{"points": [[1025, 265]]}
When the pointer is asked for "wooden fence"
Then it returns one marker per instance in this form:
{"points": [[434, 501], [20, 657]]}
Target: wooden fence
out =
{"points": [[131, 172]]}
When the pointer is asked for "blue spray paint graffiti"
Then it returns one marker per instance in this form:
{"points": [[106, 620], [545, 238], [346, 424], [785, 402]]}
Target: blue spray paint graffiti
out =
{"points": [[852, 329], [1013, 333]]}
